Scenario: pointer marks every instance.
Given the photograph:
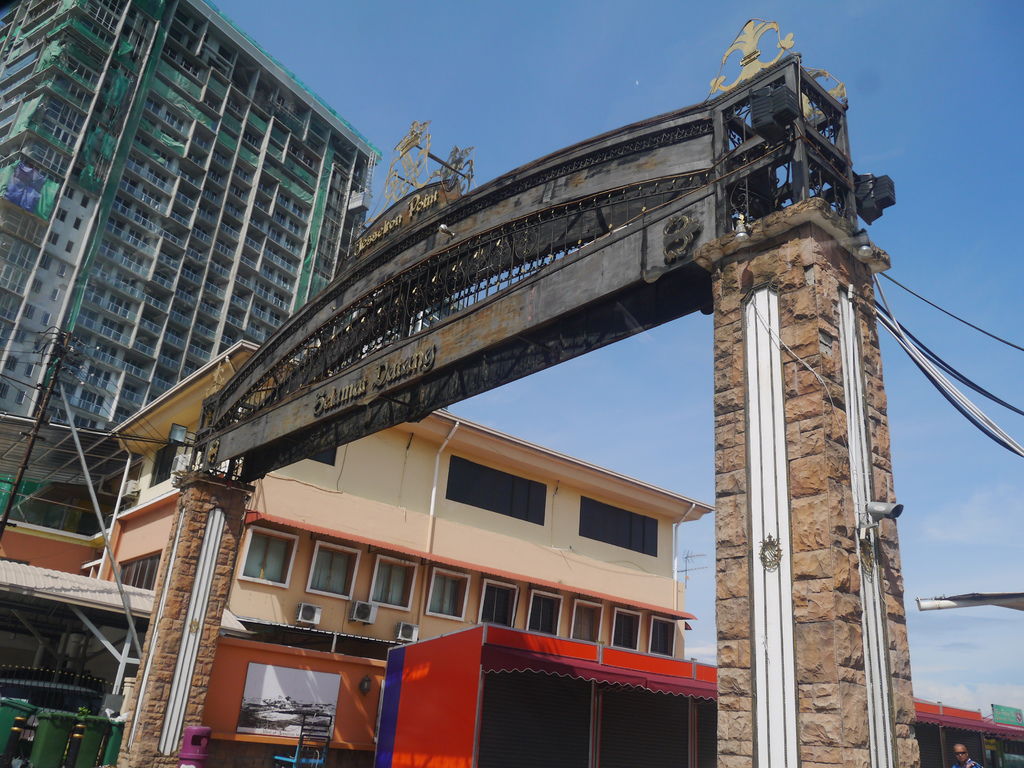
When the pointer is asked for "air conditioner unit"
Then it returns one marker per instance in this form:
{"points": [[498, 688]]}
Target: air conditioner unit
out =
{"points": [[406, 632], [364, 612], [308, 613], [132, 487]]}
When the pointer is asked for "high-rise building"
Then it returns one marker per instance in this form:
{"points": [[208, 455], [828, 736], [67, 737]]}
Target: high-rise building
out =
{"points": [[166, 189]]}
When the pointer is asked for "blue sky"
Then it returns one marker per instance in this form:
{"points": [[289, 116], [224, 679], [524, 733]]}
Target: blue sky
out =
{"points": [[935, 102]]}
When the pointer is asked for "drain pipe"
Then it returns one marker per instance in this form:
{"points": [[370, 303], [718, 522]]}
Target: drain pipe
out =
{"points": [[433, 488]]}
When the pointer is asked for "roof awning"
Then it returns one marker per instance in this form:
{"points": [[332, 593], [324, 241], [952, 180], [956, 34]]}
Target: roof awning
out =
{"points": [[83, 591], [981, 725], [500, 659]]}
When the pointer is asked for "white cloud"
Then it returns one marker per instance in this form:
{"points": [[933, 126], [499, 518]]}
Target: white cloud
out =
{"points": [[705, 654]]}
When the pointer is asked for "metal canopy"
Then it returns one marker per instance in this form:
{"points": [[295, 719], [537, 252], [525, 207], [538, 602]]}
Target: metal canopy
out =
{"points": [[54, 458]]}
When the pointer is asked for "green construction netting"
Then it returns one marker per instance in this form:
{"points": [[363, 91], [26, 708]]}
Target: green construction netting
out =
{"points": [[301, 172], [228, 141], [25, 115], [306, 285], [289, 183], [28, 188], [215, 85], [116, 87], [249, 156], [153, 8], [79, 53], [231, 122], [25, 488], [257, 122], [88, 33], [125, 48], [182, 103], [50, 54], [179, 79]]}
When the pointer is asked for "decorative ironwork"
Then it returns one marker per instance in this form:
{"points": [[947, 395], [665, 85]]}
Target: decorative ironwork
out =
{"points": [[745, 44], [770, 553], [820, 113], [458, 169], [330, 297], [407, 167], [454, 280], [680, 233]]}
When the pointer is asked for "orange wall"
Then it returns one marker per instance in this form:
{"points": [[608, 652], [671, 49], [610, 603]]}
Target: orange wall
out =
{"points": [[356, 713], [46, 552], [146, 531]]}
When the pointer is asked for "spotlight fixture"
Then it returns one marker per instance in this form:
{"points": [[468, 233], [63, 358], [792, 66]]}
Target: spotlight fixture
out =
{"points": [[741, 229], [365, 685], [863, 248], [883, 510], [874, 194], [444, 229]]}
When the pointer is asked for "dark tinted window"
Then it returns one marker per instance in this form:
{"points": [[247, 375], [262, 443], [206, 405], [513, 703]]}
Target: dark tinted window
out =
{"points": [[163, 463], [500, 492], [612, 525], [663, 636], [626, 632], [499, 604], [141, 572], [544, 614]]}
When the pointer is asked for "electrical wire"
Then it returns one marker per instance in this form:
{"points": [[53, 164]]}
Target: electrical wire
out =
{"points": [[933, 373], [955, 317]]}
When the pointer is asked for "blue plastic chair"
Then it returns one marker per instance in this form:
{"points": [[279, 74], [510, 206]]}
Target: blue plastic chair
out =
{"points": [[314, 739]]}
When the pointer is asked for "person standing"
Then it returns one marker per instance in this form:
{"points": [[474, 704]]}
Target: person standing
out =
{"points": [[963, 760]]}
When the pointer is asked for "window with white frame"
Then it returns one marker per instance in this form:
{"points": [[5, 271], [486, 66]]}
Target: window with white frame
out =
{"points": [[392, 582], [545, 611], [268, 556], [333, 570], [586, 621], [626, 629], [663, 636], [448, 592], [498, 604]]}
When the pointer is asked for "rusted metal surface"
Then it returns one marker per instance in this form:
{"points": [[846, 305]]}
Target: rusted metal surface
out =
{"points": [[568, 253]]}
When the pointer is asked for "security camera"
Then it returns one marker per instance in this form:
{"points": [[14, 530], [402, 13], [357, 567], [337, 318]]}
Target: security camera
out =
{"points": [[883, 510]]}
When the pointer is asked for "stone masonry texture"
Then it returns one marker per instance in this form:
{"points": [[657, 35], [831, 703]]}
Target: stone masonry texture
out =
{"points": [[807, 269], [199, 495]]}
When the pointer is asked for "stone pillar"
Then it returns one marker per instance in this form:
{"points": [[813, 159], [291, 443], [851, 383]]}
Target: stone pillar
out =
{"points": [[794, 566], [191, 593]]}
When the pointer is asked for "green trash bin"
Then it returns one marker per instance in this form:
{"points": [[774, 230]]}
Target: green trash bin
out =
{"points": [[52, 731], [95, 729], [113, 746], [10, 709]]}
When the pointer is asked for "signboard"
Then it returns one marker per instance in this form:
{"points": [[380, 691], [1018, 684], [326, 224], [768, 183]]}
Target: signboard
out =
{"points": [[1007, 715]]}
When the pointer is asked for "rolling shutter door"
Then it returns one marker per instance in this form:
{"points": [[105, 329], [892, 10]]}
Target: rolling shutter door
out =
{"points": [[931, 748], [970, 739], [536, 720], [707, 733], [643, 728]]}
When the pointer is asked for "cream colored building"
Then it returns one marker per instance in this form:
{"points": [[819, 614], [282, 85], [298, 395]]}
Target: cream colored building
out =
{"points": [[425, 529]]}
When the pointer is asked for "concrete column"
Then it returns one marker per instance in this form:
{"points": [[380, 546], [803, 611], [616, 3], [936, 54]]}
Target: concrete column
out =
{"points": [[814, 667], [191, 593]]}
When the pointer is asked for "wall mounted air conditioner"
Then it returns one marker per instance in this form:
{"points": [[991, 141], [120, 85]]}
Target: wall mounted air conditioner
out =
{"points": [[308, 613], [132, 487], [364, 612], [406, 632]]}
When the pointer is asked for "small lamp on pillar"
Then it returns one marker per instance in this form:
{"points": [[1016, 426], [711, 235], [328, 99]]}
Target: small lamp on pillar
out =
{"points": [[741, 229], [877, 511]]}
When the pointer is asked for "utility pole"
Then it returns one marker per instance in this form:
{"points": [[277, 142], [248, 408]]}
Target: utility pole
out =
{"points": [[60, 349]]}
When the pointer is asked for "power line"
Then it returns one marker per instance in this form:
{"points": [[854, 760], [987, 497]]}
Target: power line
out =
{"points": [[955, 317]]}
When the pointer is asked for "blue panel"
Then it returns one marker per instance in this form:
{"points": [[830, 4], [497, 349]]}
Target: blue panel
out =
{"points": [[389, 708]]}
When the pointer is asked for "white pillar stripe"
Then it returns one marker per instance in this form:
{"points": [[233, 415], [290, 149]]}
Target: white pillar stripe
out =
{"points": [[195, 618], [880, 715], [774, 681]]}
